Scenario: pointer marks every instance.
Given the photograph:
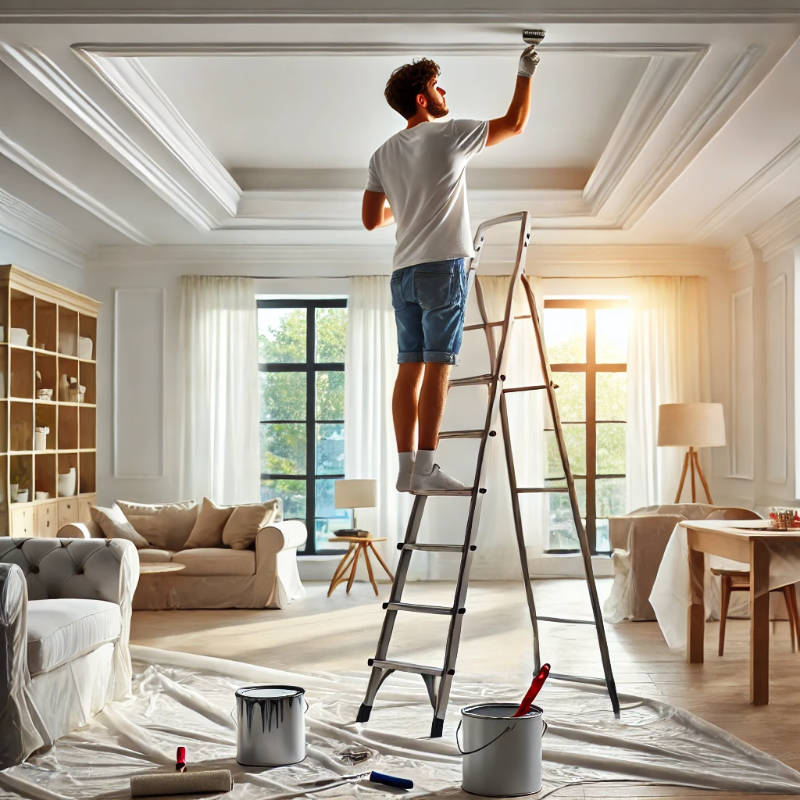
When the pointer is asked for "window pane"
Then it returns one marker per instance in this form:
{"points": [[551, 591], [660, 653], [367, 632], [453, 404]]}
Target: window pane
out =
{"points": [[330, 328], [328, 519], [283, 448], [575, 439], [610, 497], [291, 492], [565, 335], [571, 395], [601, 540], [282, 335], [330, 449], [562, 528], [612, 395], [283, 395], [330, 395], [611, 448], [612, 335]]}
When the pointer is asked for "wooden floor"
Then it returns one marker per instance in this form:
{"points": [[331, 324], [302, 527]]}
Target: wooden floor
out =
{"points": [[340, 633]]}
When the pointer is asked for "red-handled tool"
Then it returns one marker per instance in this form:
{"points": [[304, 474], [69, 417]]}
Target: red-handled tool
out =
{"points": [[536, 685], [180, 760]]}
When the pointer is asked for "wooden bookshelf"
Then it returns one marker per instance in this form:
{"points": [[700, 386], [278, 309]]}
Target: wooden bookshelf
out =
{"points": [[47, 333]]}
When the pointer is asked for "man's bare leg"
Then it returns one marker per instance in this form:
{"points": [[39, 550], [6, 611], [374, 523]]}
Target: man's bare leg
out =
{"points": [[405, 400]]}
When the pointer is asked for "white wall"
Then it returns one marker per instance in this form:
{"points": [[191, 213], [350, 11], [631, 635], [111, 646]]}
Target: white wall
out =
{"points": [[14, 251], [753, 316]]}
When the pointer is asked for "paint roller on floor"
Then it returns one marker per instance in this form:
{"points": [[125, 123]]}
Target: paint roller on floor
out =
{"points": [[167, 783]]}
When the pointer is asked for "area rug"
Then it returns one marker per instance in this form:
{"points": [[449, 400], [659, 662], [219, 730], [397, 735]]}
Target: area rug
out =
{"points": [[183, 699]]}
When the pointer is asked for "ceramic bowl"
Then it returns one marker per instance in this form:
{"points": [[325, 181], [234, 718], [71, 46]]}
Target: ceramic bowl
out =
{"points": [[18, 336], [45, 394], [22, 496]]}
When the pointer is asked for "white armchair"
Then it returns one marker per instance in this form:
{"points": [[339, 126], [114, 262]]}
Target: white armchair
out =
{"points": [[65, 612]]}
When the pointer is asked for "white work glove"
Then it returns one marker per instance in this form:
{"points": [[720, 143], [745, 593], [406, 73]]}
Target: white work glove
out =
{"points": [[528, 61]]}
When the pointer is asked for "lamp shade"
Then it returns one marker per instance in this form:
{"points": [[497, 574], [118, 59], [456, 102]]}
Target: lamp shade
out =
{"points": [[354, 493], [691, 425]]}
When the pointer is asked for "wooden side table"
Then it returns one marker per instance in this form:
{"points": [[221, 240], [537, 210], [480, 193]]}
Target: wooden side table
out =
{"points": [[357, 546]]}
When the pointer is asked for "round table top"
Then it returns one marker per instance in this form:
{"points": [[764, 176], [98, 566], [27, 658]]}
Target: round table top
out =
{"points": [[152, 567], [356, 539]]}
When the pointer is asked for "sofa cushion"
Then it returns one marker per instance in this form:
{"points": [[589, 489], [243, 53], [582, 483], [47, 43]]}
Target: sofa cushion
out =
{"points": [[152, 555], [247, 520], [216, 561], [164, 525], [64, 629], [207, 530], [115, 525]]}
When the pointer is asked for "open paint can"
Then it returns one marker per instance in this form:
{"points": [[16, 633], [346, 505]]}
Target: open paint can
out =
{"points": [[502, 754], [271, 725]]}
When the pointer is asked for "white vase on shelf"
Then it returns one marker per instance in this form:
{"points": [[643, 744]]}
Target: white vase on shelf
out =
{"points": [[66, 483]]}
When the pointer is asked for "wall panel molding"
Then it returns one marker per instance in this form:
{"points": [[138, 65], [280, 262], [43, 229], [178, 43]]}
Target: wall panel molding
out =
{"points": [[741, 433], [777, 382], [138, 415]]}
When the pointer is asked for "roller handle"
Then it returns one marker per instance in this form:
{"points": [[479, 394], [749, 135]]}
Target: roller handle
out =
{"points": [[390, 780]]}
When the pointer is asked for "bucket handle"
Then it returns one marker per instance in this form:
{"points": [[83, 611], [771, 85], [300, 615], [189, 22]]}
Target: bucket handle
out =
{"points": [[491, 741]]}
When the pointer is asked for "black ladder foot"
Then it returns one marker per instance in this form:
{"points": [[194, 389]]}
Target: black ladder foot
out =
{"points": [[436, 728], [363, 713]]}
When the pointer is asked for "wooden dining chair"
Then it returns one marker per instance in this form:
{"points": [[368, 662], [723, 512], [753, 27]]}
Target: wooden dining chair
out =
{"points": [[732, 580]]}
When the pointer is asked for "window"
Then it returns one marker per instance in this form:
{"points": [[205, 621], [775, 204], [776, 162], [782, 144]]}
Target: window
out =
{"points": [[587, 344], [301, 347]]}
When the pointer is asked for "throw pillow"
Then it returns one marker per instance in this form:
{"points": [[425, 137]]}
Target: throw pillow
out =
{"points": [[207, 530], [247, 520], [114, 525], [166, 526]]}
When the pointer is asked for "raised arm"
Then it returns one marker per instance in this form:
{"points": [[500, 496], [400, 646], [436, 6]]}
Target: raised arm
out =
{"points": [[515, 119], [375, 211]]}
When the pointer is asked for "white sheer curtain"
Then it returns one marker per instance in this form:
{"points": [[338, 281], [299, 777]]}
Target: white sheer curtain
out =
{"points": [[370, 369], [219, 346], [668, 362]]}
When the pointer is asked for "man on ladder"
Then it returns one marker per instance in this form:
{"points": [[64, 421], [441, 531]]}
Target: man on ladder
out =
{"points": [[417, 178]]}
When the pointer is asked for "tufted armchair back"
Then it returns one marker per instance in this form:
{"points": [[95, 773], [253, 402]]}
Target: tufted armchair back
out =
{"points": [[97, 569]]}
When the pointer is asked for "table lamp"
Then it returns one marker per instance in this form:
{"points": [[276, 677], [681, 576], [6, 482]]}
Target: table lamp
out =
{"points": [[354, 493], [691, 425]]}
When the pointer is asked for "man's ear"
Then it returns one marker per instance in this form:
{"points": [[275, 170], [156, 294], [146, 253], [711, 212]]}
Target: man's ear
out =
{"points": [[422, 100]]}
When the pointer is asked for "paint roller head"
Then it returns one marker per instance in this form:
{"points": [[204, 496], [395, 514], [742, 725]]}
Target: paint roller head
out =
{"points": [[532, 35]]}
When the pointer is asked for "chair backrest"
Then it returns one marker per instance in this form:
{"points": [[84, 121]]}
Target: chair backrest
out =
{"points": [[734, 513]]}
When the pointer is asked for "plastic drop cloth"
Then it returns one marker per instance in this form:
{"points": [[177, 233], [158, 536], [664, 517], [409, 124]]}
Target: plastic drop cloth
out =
{"points": [[670, 596], [186, 699]]}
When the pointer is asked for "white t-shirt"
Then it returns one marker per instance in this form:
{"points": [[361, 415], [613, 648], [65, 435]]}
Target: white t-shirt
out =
{"points": [[421, 170]]}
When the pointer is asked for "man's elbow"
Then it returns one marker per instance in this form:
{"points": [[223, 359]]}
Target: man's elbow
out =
{"points": [[369, 224]]}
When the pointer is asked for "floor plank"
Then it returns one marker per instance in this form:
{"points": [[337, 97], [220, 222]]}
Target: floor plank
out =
{"points": [[340, 633]]}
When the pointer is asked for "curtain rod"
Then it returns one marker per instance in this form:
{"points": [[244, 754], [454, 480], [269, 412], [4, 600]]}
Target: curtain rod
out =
{"points": [[485, 275]]}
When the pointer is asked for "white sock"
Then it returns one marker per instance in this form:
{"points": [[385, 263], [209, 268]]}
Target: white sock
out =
{"points": [[406, 463], [424, 462]]}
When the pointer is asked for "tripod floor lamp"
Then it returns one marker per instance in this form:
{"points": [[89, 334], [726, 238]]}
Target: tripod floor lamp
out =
{"points": [[691, 425]]}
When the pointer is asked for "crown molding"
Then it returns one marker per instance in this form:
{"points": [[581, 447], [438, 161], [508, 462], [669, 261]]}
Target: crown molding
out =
{"points": [[747, 192], [20, 156], [128, 78], [742, 255], [47, 78], [24, 222], [779, 232], [694, 136]]}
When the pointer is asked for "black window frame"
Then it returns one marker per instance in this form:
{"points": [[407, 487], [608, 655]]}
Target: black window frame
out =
{"points": [[590, 367], [311, 368]]}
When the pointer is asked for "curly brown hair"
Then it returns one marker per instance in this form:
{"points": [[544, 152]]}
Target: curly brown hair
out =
{"points": [[406, 82]]}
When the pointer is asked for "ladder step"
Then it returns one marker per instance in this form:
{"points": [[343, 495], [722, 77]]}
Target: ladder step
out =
{"points": [[420, 609], [434, 548], [567, 621], [477, 433], [472, 380], [405, 666], [528, 388], [541, 489], [578, 679], [444, 492]]}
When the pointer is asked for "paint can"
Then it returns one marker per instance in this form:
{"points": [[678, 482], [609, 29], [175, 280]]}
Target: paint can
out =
{"points": [[502, 754], [271, 725]]}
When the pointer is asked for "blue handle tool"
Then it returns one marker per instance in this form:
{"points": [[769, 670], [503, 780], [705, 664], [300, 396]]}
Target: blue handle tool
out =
{"points": [[390, 780]]}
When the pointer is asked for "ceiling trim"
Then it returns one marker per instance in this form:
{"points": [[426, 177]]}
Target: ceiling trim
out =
{"points": [[24, 222], [779, 232], [747, 192], [130, 80], [47, 78], [694, 136], [31, 164]]}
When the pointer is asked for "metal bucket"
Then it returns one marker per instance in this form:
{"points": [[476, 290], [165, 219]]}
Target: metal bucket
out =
{"points": [[502, 753], [271, 725]]}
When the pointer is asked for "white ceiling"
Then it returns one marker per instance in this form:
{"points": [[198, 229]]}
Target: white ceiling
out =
{"points": [[254, 127]]}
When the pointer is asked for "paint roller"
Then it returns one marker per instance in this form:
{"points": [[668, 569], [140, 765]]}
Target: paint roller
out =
{"points": [[166, 783], [532, 35]]}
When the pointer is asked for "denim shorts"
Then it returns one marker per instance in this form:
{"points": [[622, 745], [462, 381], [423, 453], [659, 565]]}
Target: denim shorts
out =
{"points": [[428, 301]]}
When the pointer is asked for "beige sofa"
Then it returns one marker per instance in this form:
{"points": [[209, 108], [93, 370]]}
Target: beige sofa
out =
{"points": [[219, 577]]}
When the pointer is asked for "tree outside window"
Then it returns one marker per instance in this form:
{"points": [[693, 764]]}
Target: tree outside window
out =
{"points": [[301, 347]]}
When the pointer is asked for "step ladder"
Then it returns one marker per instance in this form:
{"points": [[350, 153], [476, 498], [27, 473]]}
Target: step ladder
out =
{"points": [[438, 679]]}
